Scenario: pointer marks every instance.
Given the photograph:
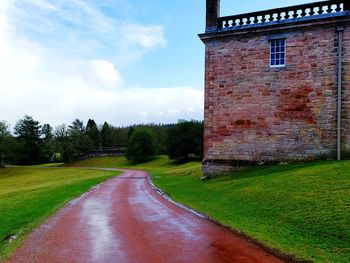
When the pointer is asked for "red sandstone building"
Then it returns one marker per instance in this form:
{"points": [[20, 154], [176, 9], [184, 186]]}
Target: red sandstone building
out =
{"points": [[277, 85]]}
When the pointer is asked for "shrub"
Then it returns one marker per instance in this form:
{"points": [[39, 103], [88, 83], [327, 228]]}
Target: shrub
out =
{"points": [[141, 145]]}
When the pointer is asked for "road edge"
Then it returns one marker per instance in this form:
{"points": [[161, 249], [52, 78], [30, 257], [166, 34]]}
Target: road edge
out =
{"points": [[283, 256]]}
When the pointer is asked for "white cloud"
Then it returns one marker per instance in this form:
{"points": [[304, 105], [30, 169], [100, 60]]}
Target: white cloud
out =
{"points": [[106, 71], [147, 37], [80, 28], [55, 87]]}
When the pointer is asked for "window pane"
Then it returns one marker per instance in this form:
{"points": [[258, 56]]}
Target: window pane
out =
{"points": [[277, 52]]}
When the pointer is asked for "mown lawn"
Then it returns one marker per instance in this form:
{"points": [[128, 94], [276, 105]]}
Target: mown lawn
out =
{"points": [[299, 209], [28, 195]]}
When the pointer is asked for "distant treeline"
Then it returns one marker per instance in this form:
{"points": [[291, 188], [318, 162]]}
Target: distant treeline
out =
{"points": [[34, 143]]}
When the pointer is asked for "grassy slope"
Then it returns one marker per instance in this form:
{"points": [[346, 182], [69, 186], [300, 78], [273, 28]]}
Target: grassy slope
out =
{"points": [[300, 209], [28, 195]]}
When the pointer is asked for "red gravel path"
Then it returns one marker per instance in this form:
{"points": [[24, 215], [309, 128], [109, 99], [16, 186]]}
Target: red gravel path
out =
{"points": [[125, 220]]}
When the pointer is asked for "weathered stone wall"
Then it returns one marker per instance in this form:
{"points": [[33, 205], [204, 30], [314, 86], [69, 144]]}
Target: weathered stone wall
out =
{"points": [[257, 113], [346, 95]]}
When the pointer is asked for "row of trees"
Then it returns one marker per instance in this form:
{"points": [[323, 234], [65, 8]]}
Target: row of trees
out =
{"points": [[33, 143], [184, 140]]}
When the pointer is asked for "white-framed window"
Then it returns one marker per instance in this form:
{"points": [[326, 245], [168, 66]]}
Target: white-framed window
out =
{"points": [[277, 53]]}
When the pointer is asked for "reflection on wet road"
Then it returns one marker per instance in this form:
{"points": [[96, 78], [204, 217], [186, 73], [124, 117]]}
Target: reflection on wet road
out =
{"points": [[125, 220]]}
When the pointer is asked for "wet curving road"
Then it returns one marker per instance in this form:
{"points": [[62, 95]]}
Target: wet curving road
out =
{"points": [[125, 220]]}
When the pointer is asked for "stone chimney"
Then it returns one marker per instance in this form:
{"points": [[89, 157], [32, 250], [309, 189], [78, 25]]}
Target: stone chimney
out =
{"points": [[213, 13]]}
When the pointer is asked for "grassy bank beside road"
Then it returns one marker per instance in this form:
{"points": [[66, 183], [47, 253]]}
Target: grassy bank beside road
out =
{"points": [[299, 209], [28, 195]]}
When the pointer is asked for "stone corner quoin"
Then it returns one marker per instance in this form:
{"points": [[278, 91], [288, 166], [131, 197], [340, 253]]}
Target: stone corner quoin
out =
{"points": [[258, 113]]}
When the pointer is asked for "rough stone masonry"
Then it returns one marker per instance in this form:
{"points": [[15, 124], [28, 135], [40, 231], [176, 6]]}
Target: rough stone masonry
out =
{"points": [[258, 113]]}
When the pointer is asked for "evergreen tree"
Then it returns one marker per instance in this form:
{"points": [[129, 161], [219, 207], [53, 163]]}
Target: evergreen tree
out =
{"points": [[106, 135], [93, 133], [130, 132], [47, 132], [79, 140], [29, 132], [4, 132], [77, 126], [47, 147], [119, 136]]}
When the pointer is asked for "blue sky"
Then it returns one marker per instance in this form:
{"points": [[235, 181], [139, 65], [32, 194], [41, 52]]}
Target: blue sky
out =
{"points": [[123, 61], [182, 60]]}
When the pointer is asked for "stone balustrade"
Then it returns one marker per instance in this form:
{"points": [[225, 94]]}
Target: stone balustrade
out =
{"points": [[287, 14]]}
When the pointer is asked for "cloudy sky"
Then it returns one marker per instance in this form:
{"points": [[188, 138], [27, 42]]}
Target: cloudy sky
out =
{"points": [[121, 61]]}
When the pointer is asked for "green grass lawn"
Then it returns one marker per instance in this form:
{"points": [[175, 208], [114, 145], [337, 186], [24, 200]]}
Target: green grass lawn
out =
{"points": [[299, 209], [50, 164], [28, 195]]}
